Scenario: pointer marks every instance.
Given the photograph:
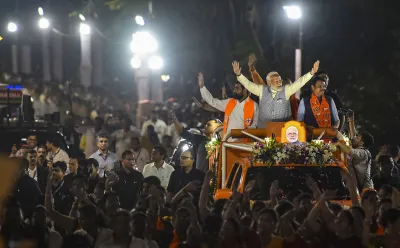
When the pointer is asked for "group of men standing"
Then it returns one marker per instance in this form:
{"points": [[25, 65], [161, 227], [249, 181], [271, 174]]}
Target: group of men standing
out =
{"points": [[276, 101]]}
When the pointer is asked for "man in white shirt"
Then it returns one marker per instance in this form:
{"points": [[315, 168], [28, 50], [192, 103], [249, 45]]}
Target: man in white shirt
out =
{"points": [[240, 111], [274, 98], [159, 126], [158, 168]]}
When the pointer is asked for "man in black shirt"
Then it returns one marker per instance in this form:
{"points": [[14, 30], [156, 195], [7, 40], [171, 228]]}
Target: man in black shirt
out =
{"points": [[130, 182], [186, 174]]}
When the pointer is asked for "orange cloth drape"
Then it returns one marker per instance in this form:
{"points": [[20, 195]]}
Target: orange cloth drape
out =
{"points": [[321, 111]]}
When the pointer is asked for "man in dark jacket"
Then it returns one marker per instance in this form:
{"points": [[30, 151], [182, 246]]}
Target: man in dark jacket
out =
{"points": [[129, 182]]}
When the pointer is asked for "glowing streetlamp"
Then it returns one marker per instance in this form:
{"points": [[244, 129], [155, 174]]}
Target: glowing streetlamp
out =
{"points": [[136, 62], [84, 29], [139, 20], [155, 62], [44, 23], [40, 11], [165, 78], [143, 43], [12, 27], [293, 12]]}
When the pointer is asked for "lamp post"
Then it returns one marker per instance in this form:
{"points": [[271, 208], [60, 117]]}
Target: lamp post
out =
{"points": [[44, 25], [293, 12], [86, 53], [12, 27], [144, 60]]}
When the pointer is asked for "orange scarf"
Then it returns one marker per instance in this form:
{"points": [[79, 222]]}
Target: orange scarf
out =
{"points": [[321, 111], [248, 113], [175, 241]]}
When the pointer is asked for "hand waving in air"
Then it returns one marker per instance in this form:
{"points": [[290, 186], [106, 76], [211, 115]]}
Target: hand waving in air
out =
{"points": [[252, 60], [236, 68], [315, 68], [200, 80]]}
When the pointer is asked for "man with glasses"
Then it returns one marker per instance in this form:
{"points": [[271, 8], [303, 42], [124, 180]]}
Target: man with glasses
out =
{"points": [[318, 110], [274, 98], [107, 159], [240, 111], [184, 175]]}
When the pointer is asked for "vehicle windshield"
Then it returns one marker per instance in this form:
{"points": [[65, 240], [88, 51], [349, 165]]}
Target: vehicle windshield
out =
{"points": [[19, 137], [292, 180]]}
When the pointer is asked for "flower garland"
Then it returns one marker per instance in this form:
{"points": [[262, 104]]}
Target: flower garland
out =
{"points": [[212, 146], [271, 152]]}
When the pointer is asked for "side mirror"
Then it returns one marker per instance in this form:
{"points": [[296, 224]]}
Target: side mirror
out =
{"points": [[223, 194]]}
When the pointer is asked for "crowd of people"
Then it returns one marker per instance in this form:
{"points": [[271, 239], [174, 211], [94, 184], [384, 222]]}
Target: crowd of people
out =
{"points": [[130, 189]]}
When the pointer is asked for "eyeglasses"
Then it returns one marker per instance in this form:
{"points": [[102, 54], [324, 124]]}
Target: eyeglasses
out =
{"points": [[184, 158], [103, 141]]}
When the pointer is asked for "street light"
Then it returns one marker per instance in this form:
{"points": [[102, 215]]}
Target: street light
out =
{"points": [[165, 78], [44, 23], [136, 62], [143, 42], [293, 12], [12, 27], [155, 62], [84, 28], [139, 20], [40, 11]]}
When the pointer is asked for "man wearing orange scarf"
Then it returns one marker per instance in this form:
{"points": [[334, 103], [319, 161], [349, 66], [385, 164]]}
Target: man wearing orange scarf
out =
{"points": [[318, 110], [240, 111]]}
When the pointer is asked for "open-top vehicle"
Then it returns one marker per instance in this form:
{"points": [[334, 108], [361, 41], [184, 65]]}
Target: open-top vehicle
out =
{"points": [[284, 152]]}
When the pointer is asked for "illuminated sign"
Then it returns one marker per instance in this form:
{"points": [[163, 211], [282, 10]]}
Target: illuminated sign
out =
{"points": [[15, 97]]}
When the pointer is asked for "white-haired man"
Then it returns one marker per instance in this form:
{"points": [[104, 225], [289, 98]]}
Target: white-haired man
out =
{"points": [[274, 105]]}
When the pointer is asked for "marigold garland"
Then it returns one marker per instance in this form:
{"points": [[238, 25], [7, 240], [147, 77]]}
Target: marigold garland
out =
{"points": [[271, 152]]}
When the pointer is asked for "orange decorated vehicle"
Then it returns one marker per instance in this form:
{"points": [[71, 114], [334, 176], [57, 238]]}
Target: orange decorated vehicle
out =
{"points": [[238, 163]]}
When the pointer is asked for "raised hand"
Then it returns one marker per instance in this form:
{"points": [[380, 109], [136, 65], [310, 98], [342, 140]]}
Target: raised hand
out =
{"points": [[315, 68], [236, 68], [328, 195], [250, 186], [200, 80], [193, 186], [252, 60]]}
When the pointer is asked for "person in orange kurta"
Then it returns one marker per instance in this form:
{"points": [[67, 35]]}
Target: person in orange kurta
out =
{"points": [[257, 79]]}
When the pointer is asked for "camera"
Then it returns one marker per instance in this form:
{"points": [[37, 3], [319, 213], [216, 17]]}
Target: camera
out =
{"points": [[346, 112]]}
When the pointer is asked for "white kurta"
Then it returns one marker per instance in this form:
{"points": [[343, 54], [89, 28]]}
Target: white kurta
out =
{"points": [[236, 119]]}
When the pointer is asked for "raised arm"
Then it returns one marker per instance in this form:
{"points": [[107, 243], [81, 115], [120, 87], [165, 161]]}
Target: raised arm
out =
{"points": [[255, 89], [214, 102], [257, 79], [299, 83]]}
